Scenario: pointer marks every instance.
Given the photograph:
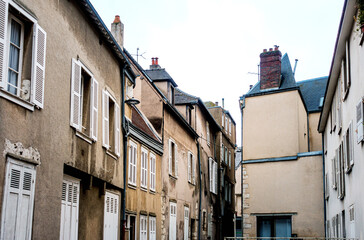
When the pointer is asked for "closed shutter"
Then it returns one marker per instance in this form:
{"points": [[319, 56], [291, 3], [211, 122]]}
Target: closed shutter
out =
{"points": [[117, 130], [105, 119], [210, 174], [18, 201], [359, 121], [132, 163], [172, 221], [170, 156], [143, 168], [189, 160], [3, 36], [69, 209], [76, 95], [38, 69], [152, 171], [186, 223], [111, 216], [152, 228], [94, 108], [143, 227]]}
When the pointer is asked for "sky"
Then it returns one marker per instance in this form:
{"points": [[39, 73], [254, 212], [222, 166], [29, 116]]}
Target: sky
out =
{"points": [[211, 47]]}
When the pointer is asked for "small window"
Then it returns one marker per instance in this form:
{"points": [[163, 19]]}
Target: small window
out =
{"points": [[111, 123], [191, 168], [188, 114], [173, 158], [144, 168], [21, 38], [132, 163], [208, 133], [152, 171]]}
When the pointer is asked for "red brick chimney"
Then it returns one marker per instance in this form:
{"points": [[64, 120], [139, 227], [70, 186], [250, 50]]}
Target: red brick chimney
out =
{"points": [[270, 68], [117, 30], [155, 64]]}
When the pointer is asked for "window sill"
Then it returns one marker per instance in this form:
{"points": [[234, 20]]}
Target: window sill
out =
{"points": [[83, 137], [152, 191], [112, 154], [17, 100], [173, 177], [192, 184], [144, 189], [132, 186]]}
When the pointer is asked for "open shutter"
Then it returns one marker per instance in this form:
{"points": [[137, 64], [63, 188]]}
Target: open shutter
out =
{"points": [[215, 164], [344, 155], [348, 74], [170, 156], [94, 108], [76, 94], [193, 169], [210, 173], [105, 119], [3, 36], [117, 130], [38, 67], [176, 159], [189, 160], [350, 143], [359, 121], [333, 164]]}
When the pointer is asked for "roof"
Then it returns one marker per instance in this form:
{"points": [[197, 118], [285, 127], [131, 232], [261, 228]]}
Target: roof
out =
{"points": [[140, 121], [312, 91], [288, 80], [160, 74]]}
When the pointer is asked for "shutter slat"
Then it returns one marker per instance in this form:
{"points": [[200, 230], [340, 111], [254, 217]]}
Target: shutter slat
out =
{"points": [[3, 36], [38, 69], [76, 95], [94, 109]]}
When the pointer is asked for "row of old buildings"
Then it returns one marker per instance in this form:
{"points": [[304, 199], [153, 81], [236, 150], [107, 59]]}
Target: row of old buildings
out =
{"points": [[302, 145], [96, 147]]}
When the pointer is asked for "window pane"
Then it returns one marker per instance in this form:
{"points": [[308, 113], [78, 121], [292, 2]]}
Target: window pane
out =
{"points": [[15, 33], [13, 80]]}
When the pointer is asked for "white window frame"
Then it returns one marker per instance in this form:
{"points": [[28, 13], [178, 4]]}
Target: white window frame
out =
{"points": [[152, 171], [172, 221], [213, 175], [10, 189], [191, 168], [144, 168], [143, 227], [111, 216], [38, 59], [152, 228], [74, 183], [133, 156], [208, 133], [229, 126], [106, 96], [171, 173], [186, 214]]}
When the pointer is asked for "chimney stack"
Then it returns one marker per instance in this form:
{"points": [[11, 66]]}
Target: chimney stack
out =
{"points": [[155, 64], [216, 103], [270, 68], [117, 30]]}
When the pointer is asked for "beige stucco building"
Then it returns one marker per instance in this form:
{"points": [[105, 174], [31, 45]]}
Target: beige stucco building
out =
{"points": [[282, 180], [341, 124]]}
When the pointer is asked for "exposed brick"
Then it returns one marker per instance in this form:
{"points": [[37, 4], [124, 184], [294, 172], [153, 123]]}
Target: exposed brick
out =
{"points": [[270, 69]]}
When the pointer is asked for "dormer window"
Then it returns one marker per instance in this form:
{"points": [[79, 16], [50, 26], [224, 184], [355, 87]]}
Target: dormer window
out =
{"points": [[188, 114], [172, 95]]}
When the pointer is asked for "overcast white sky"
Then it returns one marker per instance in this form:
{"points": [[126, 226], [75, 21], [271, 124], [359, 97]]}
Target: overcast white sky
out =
{"points": [[209, 46]]}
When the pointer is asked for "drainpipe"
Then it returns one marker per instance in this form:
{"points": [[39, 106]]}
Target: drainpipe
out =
{"points": [[308, 133], [200, 190], [125, 137], [219, 193], [242, 105], [323, 178]]}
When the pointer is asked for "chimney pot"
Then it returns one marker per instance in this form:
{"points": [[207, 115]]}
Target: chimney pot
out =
{"points": [[156, 61], [117, 19], [216, 103], [264, 50], [270, 49]]}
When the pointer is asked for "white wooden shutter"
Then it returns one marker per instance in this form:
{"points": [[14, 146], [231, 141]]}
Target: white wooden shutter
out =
{"points": [[152, 171], [18, 201], [76, 95], [348, 73], [105, 119], [215, 178], [189, 160], [38, 65], [152, 228], [69, 210], [186, 223], [111, 216], [210, 174], [333, 164], [359, 121], [94, 108], [193, 170], [170, 156], [176, 160], [3, 37], [117, 130], [351, 145], [344, 154], [172, 221]]}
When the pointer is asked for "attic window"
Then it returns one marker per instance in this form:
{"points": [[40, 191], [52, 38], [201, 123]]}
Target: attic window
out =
{"points": [[172, 95], [321, 102]]}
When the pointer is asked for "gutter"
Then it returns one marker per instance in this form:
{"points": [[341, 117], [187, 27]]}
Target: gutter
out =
{"points": [[241, 161], [323, 179], [200, 190]]}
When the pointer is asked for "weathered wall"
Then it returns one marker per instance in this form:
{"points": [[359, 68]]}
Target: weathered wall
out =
{"points": [[315, 136]]}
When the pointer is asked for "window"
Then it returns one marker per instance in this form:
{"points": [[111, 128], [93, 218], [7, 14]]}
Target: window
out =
{"points": [[70, 206], [230, 127], [229, 198], [359, 121], [132, 163], [327, 186], [186, 223], [222, 120], [84, 100], [345, 70], [111, 123], [226, 155], [152, 228], [173, 158], [111, 216], [226, 190], [21, 37], [351, 232], [334, 180], [144, 168], [333, 112], [188, 114], [130, 227], [172, 221], [191, 168], [229, 159], [213, 175], [143, 227], [209, 225], [274, 226], [348, 149], [208, 133], [17, 211], [340, 172], [204, 220], [226, 124], [152, 171], [222, 152], [338, 106]]}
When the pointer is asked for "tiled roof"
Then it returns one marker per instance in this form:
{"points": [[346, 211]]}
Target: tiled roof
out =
{"points": [[312, 91], [181, 97], [160, 74], [287, 81], [143, 124]]}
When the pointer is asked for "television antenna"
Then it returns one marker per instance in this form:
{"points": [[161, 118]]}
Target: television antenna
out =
{"points": [[139, 55]]}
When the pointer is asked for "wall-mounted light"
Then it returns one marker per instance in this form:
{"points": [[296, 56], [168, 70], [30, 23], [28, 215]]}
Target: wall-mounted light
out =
{"points": [[132, 101]]}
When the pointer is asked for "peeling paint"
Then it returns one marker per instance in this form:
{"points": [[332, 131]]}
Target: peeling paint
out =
{"points": [[18, 149]]}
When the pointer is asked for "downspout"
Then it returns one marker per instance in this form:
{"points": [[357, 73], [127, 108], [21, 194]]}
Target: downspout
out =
{"points": [[200, 190], [323, 178], [308, 133], [242, 172], [125, 137], [219, 192]]}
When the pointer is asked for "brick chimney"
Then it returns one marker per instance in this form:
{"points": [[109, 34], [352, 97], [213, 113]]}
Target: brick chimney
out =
{"points": [[155, 64], [117, 30], [270, 68]]}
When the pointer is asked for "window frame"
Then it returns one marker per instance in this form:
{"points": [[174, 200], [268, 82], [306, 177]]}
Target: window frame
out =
{"points": [[172, 161], [152, 171], [106, 131], [132, 166], [152, 228], [143, 231], [208, 133], [144, 168]]}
